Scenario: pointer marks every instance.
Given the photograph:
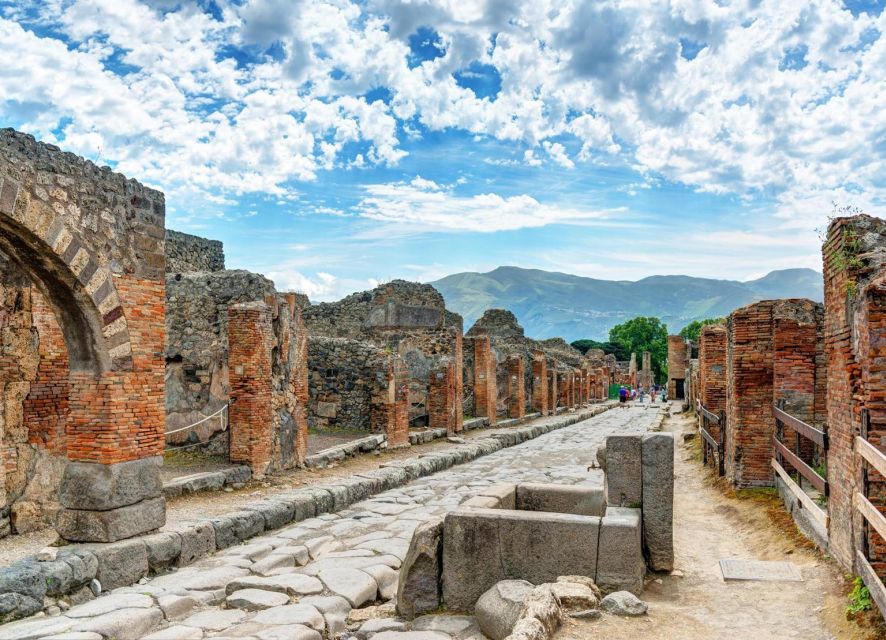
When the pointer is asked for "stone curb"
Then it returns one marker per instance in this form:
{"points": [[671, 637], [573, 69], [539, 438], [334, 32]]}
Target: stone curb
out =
{"points": [[321, 459], [55, 573]]}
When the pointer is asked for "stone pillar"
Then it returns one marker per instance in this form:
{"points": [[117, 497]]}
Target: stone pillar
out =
{"points": [[553, 396], [485, 387], [539, 383], [632, 371], [250, 341], [646, 377], [442, 398], [389, 406], [516, 386], [854, 329]]}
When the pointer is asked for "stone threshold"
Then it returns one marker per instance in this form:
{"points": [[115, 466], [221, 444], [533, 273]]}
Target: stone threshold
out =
{"points": [[35, 582]]}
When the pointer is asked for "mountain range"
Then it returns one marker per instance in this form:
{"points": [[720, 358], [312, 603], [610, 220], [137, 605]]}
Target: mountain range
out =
{"points": [[550, 304]]}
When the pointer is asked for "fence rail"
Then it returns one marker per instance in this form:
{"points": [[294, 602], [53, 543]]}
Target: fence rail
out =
{"points": [[221, 415], [709, 442], [872, 516], [817, 436]]}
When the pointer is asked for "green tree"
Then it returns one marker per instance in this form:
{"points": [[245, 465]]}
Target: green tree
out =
{"points": [[644, 334], [587, 344], [693, 330]]}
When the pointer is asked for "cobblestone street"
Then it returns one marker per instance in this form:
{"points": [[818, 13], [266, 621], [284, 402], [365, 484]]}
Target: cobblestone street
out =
{"points": [[304, 580]]}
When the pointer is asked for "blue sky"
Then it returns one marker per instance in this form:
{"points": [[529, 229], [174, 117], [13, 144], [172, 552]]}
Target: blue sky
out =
{"points": [[335, 144]]}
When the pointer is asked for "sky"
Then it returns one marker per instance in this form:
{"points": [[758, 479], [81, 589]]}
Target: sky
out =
{"points": [[336, 144]]}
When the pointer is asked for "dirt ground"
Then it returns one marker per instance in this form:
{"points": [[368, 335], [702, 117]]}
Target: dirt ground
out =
{"points": [[711, 522]]}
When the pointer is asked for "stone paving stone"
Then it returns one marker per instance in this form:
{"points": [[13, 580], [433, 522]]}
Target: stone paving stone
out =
{"points": [[176, 632], [355, 586], [109, 603], [292, 614], [256, 599], [372, 529]]}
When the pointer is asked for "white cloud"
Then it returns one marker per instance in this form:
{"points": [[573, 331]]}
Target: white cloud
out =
{"points": [[156, 89], [424, 205]]}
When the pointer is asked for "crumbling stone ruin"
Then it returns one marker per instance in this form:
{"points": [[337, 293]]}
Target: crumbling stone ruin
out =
{"points": [[679, 351], [89, 242]]}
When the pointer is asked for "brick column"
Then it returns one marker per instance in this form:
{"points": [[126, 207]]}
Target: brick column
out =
{"points": [[798, 348], [855, 324], [712, 371], [678, 360], [458, 370], [749, 423], [442, 400], [485, 388], [553, 396], [516, 386], [539, 383], [250, 340]]}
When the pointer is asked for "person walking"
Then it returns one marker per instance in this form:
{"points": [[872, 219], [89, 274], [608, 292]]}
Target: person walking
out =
{"points": [[622, 395]]}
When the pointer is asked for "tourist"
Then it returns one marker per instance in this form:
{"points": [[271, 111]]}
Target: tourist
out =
{"points": [[622, 395]]}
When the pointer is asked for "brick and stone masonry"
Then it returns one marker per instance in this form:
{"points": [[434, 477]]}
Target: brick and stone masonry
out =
{"points": [[553, 395], [855, 325], [759, 363], [539, 383], [67, 224], [712, 371], [267, 346], [443, 398], [678, 362], [645, 377], [485, 387], [516, 387]]}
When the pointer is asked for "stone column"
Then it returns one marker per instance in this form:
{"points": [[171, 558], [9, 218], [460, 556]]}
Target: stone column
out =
{"points": [[485, 387]]}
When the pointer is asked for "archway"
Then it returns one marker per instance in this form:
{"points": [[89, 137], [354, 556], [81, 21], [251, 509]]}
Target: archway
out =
{"points": [[91, 242]]}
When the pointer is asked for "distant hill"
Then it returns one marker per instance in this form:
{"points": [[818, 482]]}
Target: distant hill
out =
{"points": [[550, 304]]}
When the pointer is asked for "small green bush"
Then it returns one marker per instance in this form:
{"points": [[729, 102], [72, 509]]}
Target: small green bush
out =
{"points": [[859, 598]]}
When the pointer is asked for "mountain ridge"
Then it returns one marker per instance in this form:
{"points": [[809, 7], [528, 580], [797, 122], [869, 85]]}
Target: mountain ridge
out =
{"points": [[550, 303]]}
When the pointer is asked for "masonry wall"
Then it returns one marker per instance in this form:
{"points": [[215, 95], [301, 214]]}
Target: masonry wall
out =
{"points": [[678, 361], [197, 374], [443, 399], [854, 272], [516, 387], [540, 383], [269, 389], [186, 253]]}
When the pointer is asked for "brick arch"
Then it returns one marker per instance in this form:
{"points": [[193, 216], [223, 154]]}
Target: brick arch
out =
{"points": [[81, 292]]}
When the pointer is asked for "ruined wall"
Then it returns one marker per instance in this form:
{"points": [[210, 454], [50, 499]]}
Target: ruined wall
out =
{"points": [[485, 386], [408, 318], [646, 377], [678, 361], [773, 348], [855, 323], [269, 387], [540, 383], [197, 376], [712, 371], [91, 241], [186, 253]]}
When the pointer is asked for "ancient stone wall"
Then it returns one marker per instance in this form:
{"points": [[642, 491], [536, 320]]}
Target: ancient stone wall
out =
{"points": [[408, 318], [516, 386], [540, 383], [186, 253], [269, 387], [646, 377], [712, 371], [197, 377], [91, 241], [485, 388], [444, 404], [855, 322], [678, 361]]}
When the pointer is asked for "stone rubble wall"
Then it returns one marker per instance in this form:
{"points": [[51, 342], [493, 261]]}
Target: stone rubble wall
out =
{"points": [[186, 253], [197, 375], [678, 362]]}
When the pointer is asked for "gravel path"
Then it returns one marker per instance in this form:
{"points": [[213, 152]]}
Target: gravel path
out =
{"points": [[304, 580]]}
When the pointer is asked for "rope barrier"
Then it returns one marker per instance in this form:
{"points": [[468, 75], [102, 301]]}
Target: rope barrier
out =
{"points": [[224, 426]]}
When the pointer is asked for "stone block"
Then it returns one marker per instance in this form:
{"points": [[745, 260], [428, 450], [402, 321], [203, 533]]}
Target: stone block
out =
{"points": [[197, 540], [498, 609], [120, 564], [102, 487], [25, 578], [163, 549], [658, 500], [620, 564], [483, 546], [237, 527], [78, 525], [505, 494], [582, 500], [624, 471], [418, 589]]}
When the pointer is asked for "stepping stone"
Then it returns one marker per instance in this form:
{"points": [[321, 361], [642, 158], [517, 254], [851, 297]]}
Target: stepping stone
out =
{"points": [[355, 586], [256, 599], [302, 614], [216, 620], [294, 584]]}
